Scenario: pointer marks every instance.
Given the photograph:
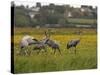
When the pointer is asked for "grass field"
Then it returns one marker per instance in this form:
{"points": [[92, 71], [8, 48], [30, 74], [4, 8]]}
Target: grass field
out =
{"points": [[85, 58], [82, 21]]}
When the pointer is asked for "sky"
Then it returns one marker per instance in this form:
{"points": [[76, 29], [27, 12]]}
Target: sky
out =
{"points": [[33, 3], [76, 3]]}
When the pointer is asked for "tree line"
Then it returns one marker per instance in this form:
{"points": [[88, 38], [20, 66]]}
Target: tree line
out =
{"points": [[50, 15]]}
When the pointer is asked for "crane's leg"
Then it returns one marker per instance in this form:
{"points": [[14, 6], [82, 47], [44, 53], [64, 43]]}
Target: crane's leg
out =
{"points": [[23, 51], [20, 52], [54, 51], [29, 52], [45, 49], [26, 51], [39, 51], [59, 50], [75, 50], [70, 50]]}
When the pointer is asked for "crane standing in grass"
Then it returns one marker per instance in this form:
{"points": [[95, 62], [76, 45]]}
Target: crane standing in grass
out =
{"points": [[74, 42]]}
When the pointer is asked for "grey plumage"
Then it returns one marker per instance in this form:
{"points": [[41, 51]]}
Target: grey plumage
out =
{"points": [[25, 42], [73, 43], [40, 45], [53, 45]]}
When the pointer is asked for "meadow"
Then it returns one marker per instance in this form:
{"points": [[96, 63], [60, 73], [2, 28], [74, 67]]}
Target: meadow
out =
{"points": [[85, 57], [82, 21]]}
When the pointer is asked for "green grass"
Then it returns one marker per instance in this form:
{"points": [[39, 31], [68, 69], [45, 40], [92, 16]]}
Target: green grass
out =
{"points": [[82, 21], [85, 58]]}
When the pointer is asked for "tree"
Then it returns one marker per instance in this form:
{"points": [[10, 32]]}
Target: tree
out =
{"points": [[51, 6], [21, 20], [60, 9], [38, 4]]}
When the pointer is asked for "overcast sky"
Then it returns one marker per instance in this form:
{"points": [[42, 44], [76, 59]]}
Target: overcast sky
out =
{"points": [[42, 3], [45, 2]]}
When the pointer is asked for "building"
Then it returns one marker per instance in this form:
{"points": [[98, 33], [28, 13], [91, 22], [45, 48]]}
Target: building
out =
{"points": [[34, 11]]}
